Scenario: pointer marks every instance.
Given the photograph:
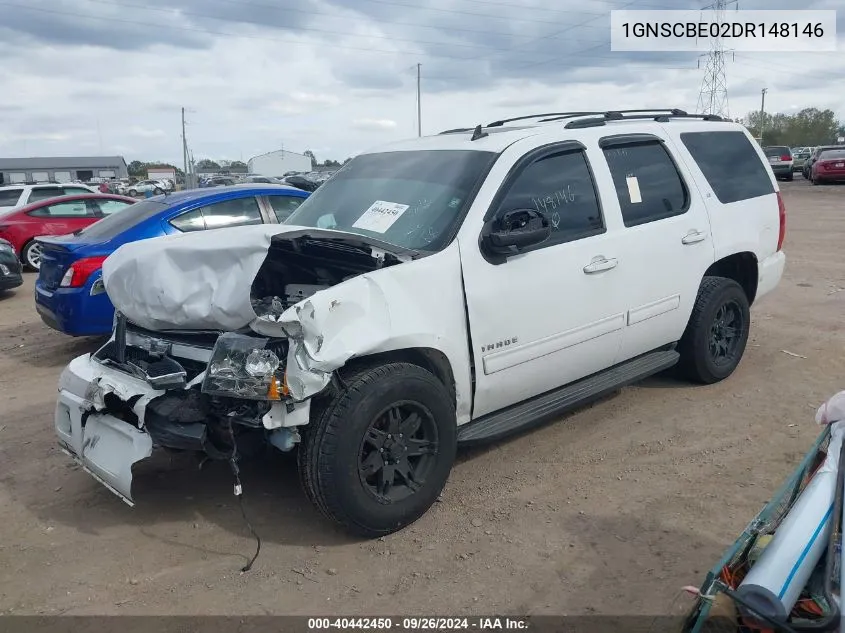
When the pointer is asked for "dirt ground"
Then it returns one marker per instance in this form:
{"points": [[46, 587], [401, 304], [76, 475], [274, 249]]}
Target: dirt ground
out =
{"points": [[610, 510]]}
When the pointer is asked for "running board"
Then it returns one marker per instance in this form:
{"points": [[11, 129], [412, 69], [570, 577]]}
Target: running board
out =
{"points": [[553, 403]]}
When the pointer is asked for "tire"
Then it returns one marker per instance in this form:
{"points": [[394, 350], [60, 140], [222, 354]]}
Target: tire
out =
{"points": [[31, 255], [790, 176], [340, 468], [158, 191], [132, 193], [720, 302]]}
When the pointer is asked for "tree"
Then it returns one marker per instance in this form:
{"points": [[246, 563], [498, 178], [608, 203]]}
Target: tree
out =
{"points": [[136, 168], [810, 126], [207, 163], [347, 160], [310, 155], [237, 164], [331, 163]]}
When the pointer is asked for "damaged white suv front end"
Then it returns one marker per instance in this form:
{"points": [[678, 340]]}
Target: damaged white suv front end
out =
{"points": [[202, 360]]}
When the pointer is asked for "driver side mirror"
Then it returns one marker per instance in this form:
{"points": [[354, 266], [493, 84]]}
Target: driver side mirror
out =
{"points": [[513, 231]]}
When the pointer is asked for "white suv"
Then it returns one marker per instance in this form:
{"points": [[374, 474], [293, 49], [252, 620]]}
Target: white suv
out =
{"points": [[444, 290], [13, 196]]}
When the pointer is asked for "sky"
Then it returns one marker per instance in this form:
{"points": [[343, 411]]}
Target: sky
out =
{"points": [[337, 77]]}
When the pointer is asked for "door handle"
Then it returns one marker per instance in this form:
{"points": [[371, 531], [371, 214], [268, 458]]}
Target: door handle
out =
{"points": [[600, 264], [693, 237]]}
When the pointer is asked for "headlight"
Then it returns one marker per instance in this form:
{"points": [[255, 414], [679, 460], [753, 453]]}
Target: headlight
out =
{"points": [[4, 270], [242, 367], [6, 247]]}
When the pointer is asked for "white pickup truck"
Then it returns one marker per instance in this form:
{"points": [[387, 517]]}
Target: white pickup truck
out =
{"points": [[444, 290]]}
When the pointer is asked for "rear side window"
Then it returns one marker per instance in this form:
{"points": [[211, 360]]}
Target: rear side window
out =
{"points": [[190, 221], [9, 197], [70, 209], [44, 193], [647, 183], [283, 206], [730, 164], [75, 190]]}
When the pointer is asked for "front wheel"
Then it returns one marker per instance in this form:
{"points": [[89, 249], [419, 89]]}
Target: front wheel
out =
{"points": [[717, 332], [376, 458], [133, 193]]}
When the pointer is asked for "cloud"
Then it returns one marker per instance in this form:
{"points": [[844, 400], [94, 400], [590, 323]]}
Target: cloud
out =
{"points": [[340, 75], [374, 124]]}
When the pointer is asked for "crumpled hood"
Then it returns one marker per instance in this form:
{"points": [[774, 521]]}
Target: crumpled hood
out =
{"points": [[200, 280], [195, 280]]}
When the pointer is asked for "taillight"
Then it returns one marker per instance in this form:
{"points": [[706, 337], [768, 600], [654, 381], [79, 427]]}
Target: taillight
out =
{"points": [[782, 214], [786, 157], [80, 271]]}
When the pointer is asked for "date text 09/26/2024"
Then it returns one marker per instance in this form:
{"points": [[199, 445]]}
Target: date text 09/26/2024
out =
{"points": [[417, 623]]}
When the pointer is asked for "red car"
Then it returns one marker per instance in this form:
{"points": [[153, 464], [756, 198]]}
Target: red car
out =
{"points": [[55, 216], [829, 166]]}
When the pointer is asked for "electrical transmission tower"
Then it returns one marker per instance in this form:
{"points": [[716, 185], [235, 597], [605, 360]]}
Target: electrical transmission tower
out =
{"points": [[713, 98]]}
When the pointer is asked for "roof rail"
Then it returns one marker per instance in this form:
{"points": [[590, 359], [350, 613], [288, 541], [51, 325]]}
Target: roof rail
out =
{"points": [[539, 116], [457, 130], [620, 116]]}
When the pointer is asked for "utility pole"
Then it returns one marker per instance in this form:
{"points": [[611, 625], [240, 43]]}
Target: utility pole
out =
{"points": [[185, 151], [419, 103], [763, 113]]}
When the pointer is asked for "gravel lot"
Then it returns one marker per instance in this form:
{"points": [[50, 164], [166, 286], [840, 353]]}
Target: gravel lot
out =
{"points": [[610, 510]]}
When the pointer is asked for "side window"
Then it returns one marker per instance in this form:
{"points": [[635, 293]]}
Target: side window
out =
{"points": [[43, 193], [71, 209], [190, 221], [107, 207], [235, 212], [647, 183], [9, 197], [730, 164], [559, 186], [283, 206]]}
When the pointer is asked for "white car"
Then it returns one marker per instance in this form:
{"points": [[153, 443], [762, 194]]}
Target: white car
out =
{"points": [[13, 196], [444, 290], [143, 186]]}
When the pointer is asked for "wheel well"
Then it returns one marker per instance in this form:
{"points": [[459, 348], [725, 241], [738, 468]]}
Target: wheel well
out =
{"points": [[429, 359], [742, 268]]}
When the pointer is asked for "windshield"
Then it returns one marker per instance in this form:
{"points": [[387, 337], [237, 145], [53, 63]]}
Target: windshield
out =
{"points": [[411, 199], [829, 154], [777, 151], [115, 224]]}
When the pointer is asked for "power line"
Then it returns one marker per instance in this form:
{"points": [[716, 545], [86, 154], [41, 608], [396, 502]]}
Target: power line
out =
{"points": [[158, 26], [346, 19], [298, 28]]}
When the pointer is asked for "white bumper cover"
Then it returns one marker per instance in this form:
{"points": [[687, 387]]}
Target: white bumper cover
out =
{"points": [[105, 446]]}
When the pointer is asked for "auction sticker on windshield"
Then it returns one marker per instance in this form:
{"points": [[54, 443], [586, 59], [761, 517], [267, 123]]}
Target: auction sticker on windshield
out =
{"points": [[380, 216]]}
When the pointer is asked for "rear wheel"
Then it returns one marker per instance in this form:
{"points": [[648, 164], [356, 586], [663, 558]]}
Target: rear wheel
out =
{"points": [[717, 332], [31, 255], [132, 192], [790, 176], [375, 459]]}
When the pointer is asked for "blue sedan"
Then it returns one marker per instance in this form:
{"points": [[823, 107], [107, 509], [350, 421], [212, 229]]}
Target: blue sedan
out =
{"points": [[69, 293]]}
